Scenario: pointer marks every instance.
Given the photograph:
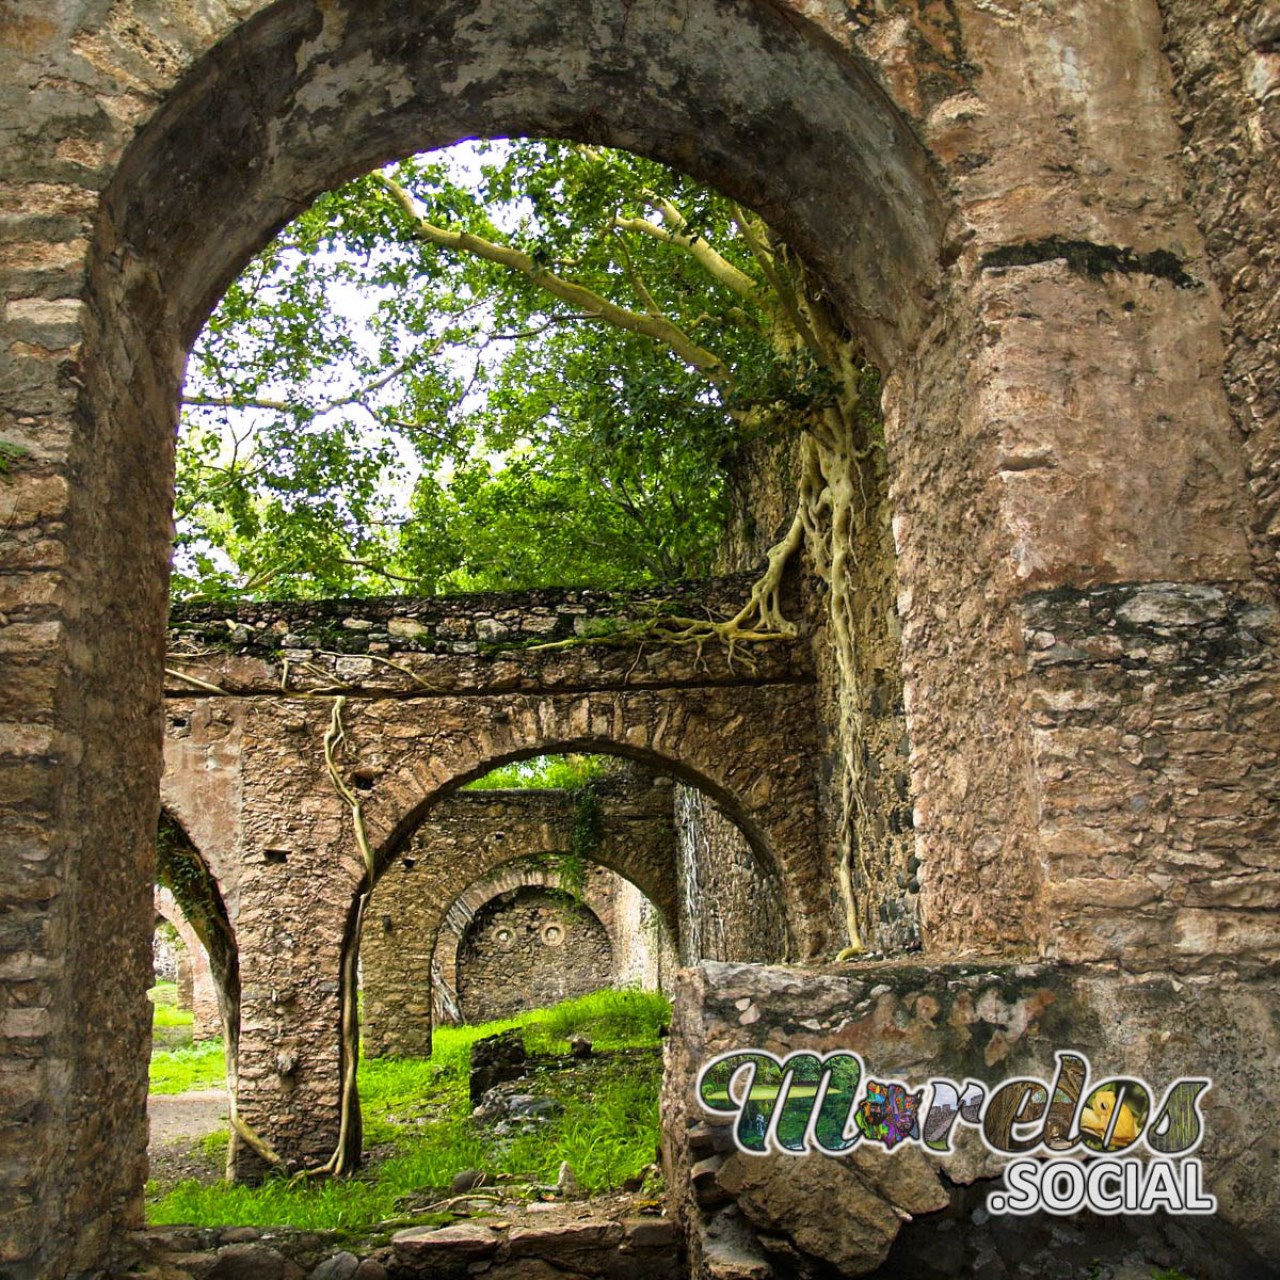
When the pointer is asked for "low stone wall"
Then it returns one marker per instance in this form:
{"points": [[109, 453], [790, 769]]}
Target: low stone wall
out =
{"points": [[535, 1242], [911, 1023]]}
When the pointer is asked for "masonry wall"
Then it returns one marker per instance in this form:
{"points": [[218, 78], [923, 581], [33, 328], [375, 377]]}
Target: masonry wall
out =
{"points": [[995, 196], [643, 954], [1225, 60], [527, 949], [864, 780], [730, 906], [643, 951]]}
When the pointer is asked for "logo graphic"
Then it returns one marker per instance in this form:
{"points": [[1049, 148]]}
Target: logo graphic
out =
{"points": [[810, 1103]]}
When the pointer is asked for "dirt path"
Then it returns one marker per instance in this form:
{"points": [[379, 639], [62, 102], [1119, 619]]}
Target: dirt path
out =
{"points": [[178, 1122], [185, 1117]]}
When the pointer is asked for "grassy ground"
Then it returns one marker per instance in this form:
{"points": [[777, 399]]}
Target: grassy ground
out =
{"points": [[199, 1066], [170, 1026], [165, 1011], [416, 1115]]}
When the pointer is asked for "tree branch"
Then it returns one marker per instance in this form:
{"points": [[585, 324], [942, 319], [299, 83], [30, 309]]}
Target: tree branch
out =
{"points": [[781, 289], [356, 397], [657, 327], [713, 263]]}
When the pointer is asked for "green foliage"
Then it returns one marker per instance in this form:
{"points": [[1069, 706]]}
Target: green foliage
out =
{"points": [[9, 454], [539, 440], [610, 1019], [181, 870], [608, 1131], [202, 1066], [579, 774], [544, 773]]}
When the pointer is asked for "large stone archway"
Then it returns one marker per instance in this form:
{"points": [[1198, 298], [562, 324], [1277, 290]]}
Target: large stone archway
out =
{"points": [[644, 954], [245, 751], [1079, 606]]}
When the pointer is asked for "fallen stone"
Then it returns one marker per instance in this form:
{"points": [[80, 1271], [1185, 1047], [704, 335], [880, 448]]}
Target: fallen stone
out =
{"points": [[651, 1233], [467, 1180], [495, 1060], [247, 1262], [823, 1206], [438, 1246], [342, 1266], [567, 1183], [730, 1251], [557, 1238]]}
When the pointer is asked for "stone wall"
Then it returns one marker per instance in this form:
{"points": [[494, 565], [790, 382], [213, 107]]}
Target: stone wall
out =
{"points": [[294, 869], [730, 907], [996, 198], [527, 949], [1225, 59], [164, 953], [643, 951], [643, 954], [911, 1023]]}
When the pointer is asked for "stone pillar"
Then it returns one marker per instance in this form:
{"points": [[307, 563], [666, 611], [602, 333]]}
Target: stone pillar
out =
{"points": [[196, 988]]}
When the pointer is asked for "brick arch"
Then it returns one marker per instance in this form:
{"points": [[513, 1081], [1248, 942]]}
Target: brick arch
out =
{"points": [[473, 845], [725, 746]]}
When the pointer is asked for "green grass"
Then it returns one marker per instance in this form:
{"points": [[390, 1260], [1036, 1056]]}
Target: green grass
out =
{"points": [[202, 1066], [169, 1015], [165, 1011], [608, 1131]]}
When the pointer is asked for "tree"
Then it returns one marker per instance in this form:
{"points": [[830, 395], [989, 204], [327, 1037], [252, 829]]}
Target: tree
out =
{"points": [[568, 347]]}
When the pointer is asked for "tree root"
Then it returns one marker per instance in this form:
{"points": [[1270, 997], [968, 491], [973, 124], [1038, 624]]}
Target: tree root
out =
{"points": [[257, 1144]]}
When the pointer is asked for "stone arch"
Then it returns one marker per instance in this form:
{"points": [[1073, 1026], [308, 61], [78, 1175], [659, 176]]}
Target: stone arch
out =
{"points": [[291, 101], [1017, 493], [694, 737], [474, 845], [190, 895], [602, 899], [203, 993]]}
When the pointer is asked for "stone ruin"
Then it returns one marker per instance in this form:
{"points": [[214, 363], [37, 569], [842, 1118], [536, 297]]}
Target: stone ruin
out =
{"points": [[1053, 725]]}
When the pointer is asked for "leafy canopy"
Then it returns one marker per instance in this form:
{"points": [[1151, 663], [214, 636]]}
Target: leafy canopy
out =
{"points": [[505, 365]]}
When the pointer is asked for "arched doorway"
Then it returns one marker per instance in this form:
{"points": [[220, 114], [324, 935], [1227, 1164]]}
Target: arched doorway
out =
{"points": [[740, 95]]}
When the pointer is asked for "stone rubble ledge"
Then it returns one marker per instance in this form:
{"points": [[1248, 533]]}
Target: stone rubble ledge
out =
{"points": [[982, 1020], [536, 1242], [487, 643], [474, 623]]}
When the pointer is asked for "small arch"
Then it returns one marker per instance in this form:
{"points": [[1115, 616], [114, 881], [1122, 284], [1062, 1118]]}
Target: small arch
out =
{"points": [[770, 867]]}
